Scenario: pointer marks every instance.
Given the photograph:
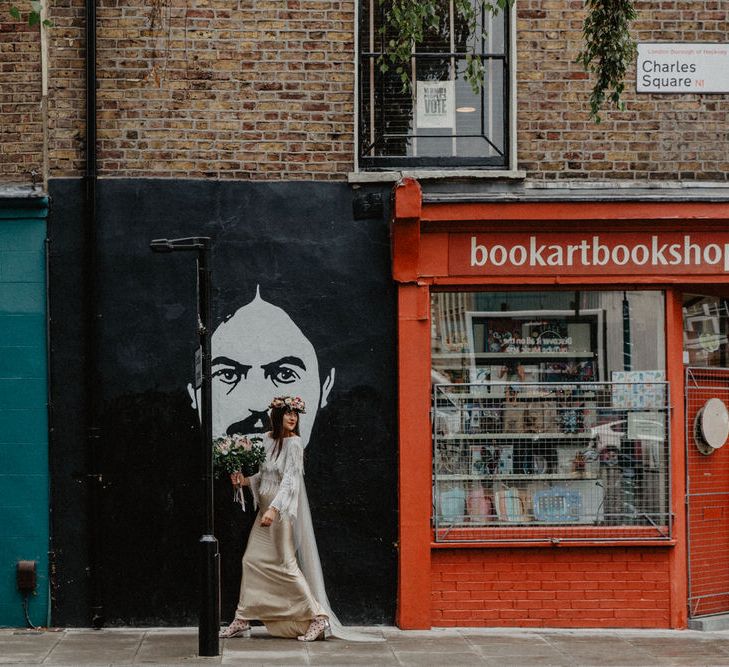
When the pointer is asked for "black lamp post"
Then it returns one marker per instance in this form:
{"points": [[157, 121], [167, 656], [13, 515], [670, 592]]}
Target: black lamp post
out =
{"points": [[209, 622]]}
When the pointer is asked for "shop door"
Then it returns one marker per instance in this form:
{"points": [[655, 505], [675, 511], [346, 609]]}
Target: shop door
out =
{"points": [[706, 353]]}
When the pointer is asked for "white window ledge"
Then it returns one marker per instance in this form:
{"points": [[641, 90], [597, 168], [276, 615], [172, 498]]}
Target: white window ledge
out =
{"points": [[435, 175]]}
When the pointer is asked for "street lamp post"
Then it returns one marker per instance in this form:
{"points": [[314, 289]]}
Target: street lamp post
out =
{"points": [[209, 616]]}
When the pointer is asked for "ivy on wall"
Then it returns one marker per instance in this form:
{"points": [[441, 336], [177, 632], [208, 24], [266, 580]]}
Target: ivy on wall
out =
{"points": [[34, 13], [607, 52]]}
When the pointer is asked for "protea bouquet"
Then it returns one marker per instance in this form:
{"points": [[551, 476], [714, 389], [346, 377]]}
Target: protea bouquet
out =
{"points": [[238, 453]]}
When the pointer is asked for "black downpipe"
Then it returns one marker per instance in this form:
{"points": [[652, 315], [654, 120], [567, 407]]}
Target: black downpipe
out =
{"points": [[92, 327]]}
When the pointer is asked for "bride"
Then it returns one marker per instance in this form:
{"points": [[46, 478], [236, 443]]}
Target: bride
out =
{"points": [[282, 583]]}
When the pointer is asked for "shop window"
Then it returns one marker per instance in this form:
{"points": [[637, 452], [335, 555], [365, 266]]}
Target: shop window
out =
{"points": [[706, 331], [550, 416], [438, 121]]}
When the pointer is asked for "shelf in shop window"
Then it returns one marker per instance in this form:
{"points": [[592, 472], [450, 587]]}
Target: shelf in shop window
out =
{"points": [[521, 477], [529, 523], [517, 436], [513, 355]]}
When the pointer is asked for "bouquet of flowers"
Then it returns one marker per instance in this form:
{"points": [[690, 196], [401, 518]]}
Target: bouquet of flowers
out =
{"points": [[237, 453]]}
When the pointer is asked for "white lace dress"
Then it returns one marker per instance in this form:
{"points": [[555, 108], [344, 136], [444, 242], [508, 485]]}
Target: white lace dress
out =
{"points": [[273, 589]]}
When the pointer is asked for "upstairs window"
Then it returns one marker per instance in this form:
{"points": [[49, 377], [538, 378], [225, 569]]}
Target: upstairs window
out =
{"points": [[436, 120]]}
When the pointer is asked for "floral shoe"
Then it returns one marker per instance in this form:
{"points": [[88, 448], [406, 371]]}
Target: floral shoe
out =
{"points": [[238, 628], [317, 630]]}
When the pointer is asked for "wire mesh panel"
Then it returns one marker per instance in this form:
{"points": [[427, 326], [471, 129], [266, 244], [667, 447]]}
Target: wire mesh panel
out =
{"points": [[707, 486], [548, 461]]}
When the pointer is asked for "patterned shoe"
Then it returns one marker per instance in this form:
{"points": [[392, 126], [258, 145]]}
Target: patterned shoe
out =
{"points": [[317, 630], [238, 628]]}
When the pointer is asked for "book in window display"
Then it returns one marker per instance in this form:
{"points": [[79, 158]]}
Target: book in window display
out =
{"points": [[549, 346]]}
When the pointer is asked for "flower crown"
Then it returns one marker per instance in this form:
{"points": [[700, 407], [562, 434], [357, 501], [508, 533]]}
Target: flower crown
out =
{"points": [[289, 402]]}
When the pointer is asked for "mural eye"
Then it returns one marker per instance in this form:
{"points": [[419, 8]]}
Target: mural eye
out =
{"points": [[227, 375], [284, 375]]}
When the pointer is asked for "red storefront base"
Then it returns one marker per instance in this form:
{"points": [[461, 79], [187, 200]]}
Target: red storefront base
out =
{"points": [[564, 588], [598, 583]]}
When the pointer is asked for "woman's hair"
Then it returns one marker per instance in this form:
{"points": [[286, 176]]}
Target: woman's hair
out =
{"points": [[277, 427]]}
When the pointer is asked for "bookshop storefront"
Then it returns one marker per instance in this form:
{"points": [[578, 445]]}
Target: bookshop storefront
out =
{"points": [[561, 388]]}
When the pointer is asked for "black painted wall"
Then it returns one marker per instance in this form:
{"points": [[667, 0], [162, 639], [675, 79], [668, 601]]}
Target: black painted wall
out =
{"points": [[331, 274]]}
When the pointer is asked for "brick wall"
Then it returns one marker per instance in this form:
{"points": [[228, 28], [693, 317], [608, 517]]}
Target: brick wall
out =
{"points": [[21, 122], [249, 90], [265, 90], [658, 137], [583, 587]]}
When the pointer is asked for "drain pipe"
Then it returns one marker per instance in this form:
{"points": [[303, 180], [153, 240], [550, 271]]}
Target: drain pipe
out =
{"points": [[93, 331]]}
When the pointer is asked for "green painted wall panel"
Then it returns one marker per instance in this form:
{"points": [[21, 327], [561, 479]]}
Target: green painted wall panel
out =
{"points": [[22, 236], [24, 492], [23, 394], [23, 329], [24, 426], [18, 460], [21, 362], [22, 298], [21, 267]]}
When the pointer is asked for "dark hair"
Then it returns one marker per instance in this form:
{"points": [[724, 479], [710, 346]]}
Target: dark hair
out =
{"points": [[277, 428]]}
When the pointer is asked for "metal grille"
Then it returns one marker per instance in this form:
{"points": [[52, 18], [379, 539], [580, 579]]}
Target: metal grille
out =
{"points": [[546, 461], [707, 485]]}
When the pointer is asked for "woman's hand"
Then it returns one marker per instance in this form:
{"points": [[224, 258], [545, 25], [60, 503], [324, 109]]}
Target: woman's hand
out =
{"points": [[237, 479], [268, 516]]}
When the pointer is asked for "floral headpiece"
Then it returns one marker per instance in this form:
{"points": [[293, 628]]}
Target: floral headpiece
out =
{"points": [[290, 403]]}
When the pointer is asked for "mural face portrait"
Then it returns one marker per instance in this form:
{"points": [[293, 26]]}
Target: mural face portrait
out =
{"points": [[259, 353]]}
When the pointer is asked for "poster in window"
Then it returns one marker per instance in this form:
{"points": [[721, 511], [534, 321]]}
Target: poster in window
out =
{"points": [[435, 104]]}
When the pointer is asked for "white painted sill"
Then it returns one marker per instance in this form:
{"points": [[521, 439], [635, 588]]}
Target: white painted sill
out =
{"points": [[435, 175]]}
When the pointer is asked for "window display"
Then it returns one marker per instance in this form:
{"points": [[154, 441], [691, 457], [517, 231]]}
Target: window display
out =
{"points": [[542, 420]]}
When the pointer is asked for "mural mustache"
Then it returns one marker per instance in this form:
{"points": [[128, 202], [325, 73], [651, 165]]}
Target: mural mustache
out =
{"points": [[258, 422]]}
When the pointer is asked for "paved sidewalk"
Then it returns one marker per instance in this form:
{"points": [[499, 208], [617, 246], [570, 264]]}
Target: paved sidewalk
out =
{"points": [[466, 646]]}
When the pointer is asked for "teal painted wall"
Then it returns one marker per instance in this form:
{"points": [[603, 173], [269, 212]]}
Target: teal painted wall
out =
{"points": [[23, 407]]}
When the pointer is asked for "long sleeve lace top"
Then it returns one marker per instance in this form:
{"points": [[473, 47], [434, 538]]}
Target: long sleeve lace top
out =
{"points": [[281, 476]]}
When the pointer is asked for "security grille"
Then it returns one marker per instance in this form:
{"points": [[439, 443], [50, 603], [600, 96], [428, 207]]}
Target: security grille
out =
{"points": [[707, 485], [545, 461]]}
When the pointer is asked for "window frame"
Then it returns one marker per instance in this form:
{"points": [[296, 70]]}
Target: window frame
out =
{"points": [[507, 162]]}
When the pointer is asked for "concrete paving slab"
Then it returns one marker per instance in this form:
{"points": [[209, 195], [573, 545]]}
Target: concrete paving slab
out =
{"points": [[430, 645], [516, 661], [526, 651], [484, 640], [179, 647], [27, 647], [423, 659], [381, 660], [87, 647], [252, 656]]}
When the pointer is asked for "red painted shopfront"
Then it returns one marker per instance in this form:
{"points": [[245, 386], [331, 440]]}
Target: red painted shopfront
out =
{"points": [[528, 332]]}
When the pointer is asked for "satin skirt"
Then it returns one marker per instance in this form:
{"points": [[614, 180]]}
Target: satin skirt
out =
{"points": [[273, 588]]}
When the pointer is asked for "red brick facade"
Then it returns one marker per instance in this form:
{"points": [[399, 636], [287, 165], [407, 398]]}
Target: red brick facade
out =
{"points": [[583, 587]]}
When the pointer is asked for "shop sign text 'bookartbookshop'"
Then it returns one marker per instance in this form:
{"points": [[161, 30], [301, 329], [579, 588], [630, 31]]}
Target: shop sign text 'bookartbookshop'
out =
{"points": [[589, 254]]}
